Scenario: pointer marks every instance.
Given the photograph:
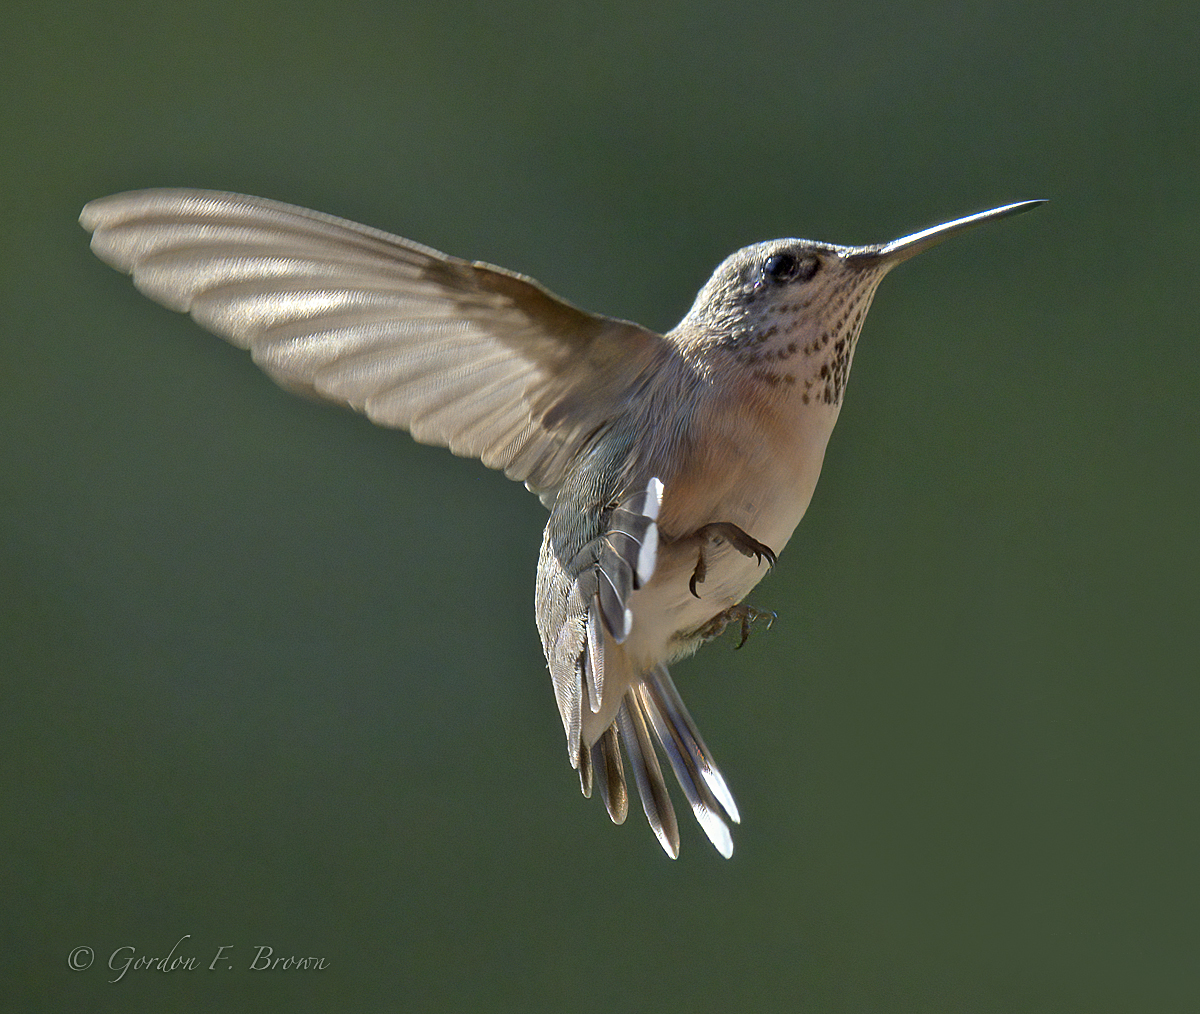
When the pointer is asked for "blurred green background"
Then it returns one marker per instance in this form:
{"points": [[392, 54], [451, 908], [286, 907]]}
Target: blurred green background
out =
{"points": [[271, 677]]}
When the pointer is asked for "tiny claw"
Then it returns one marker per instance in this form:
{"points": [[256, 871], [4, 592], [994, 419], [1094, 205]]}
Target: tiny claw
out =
{"points": [[700, 573], [745, 544], [759, 551], [749, 616], [745, 615], [745, 633]]}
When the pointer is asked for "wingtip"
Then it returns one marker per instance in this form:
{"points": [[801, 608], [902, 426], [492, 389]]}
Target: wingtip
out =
{"points": [[106, 210]]}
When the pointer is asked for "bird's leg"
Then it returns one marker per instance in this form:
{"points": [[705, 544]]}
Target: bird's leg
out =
{"points": [[745, 544], [743, 613]]}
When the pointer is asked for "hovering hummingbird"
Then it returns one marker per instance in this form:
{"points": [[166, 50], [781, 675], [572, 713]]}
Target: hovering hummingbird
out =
{"points": [[675, 467]]}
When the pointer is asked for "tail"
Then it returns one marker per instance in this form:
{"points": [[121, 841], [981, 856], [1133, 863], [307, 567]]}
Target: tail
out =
{"points": [[654, 705]]}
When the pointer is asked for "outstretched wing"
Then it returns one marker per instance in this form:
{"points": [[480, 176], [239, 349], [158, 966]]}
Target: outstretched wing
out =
{"points": [[461, 354]]}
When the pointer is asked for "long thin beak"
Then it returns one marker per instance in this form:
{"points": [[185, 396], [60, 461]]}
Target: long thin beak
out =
{"points": [[902, 249]]}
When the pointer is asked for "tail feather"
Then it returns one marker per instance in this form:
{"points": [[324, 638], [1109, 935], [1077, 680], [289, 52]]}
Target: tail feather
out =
{"points": [[610, 775], [709, 813], [653, 706], [647, 774], [670, 704], [584, 764]]}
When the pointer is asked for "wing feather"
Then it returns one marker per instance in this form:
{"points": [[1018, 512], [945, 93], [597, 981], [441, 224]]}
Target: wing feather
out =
{"points": [[462, 354]]}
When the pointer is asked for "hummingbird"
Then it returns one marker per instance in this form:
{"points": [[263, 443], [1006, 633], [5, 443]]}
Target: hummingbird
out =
{"points": [[675, 466]]}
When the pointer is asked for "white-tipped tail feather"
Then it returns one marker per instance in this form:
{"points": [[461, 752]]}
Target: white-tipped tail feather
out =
{"points": [[651, 713]]}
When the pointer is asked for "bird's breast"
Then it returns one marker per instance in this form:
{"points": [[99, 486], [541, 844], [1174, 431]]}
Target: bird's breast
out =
{"points": [[750, 464], [753, 468]]}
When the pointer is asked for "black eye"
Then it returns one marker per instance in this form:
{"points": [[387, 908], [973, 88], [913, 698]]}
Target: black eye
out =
{"points": [[787, 267]]}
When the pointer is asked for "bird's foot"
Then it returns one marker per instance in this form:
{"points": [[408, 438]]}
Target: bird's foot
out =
{"points": [[741, 613], [725, 531]]}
